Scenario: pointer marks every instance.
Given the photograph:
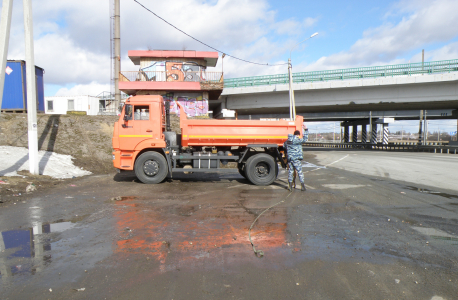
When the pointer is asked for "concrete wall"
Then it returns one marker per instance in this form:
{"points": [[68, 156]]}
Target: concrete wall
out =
{"points": [[88, 104]]}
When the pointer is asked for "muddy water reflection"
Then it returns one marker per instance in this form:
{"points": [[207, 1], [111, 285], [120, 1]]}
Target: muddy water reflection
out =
{"points": [[180, 235], [26, 251]]}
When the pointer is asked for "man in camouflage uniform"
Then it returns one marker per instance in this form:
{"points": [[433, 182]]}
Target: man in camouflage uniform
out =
{"points": [[293, 146]]}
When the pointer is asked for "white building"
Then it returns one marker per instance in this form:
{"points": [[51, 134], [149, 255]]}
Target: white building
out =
{"points": [[59, 105]]}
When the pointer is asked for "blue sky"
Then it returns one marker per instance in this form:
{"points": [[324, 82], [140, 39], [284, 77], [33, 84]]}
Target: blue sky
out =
{"points": [[72, 41], [342, 23]]}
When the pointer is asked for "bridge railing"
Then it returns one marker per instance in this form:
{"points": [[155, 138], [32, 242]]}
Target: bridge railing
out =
{"points": [[433, 67]]}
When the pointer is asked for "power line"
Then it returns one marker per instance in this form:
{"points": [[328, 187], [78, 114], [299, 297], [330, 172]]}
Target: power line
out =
{"points": [[247, 61]]}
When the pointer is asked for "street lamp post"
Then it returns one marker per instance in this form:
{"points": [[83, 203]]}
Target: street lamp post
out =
{"points": [[292, 102]]}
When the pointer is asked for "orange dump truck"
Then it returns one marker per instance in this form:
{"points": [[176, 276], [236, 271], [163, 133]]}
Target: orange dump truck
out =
{"points": [[143, 142]]}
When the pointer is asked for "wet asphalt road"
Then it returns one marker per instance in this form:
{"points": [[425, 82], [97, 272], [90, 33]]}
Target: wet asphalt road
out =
{"points": [[356, 233]]}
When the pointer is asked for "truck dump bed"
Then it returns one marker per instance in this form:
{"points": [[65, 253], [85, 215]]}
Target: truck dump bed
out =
{"points": [[235, 132]]}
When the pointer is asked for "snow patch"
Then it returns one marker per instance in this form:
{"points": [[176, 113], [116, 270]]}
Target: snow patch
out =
{"points": [[13, 159]]}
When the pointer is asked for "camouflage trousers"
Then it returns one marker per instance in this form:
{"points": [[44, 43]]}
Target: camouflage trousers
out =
{"points": [[295, 165]]}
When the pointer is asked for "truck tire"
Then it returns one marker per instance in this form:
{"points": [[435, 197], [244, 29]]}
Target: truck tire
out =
{"points": [[151, 167], [261, 169]]}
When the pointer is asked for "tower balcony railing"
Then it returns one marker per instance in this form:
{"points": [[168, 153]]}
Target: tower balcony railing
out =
{"points": [[172, 76], [400, 70]]}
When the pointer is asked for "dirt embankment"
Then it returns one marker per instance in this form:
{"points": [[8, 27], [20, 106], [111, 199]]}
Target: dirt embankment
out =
{"points": [[86, 138]]}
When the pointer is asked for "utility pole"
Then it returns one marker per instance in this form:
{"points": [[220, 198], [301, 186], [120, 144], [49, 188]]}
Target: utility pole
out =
{"points": [[31, 89], [422, 59], [117, 51], [290, 90], [5, 25]]}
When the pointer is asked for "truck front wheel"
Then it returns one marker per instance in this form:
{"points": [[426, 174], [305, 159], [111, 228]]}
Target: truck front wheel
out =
{"points": [[151, 167], [261, 169]]}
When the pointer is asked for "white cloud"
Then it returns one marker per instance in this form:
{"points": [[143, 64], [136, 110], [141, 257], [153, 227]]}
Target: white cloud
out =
{"points": [[289, 26], [309, 22], [431, 22], [446, 52], [91, 89], [292, 26], [72, 40]]}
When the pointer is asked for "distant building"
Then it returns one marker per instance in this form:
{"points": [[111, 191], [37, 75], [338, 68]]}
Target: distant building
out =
{"points": [[15, 88], [178, 76], [58, 105]]}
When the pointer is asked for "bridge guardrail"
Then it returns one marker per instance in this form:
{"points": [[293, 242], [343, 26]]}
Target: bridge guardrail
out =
{"points": [[441, 148], [433, 67]]}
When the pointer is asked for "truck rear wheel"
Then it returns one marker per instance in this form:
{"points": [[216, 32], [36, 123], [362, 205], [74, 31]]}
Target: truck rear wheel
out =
{"points": [[151, 167], [261, 169]]}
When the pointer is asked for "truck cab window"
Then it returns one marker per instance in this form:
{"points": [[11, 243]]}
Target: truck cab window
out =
{"points": [[141, 112]]}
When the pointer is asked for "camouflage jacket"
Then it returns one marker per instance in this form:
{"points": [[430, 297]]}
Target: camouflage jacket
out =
{"points": [[293, 146]]}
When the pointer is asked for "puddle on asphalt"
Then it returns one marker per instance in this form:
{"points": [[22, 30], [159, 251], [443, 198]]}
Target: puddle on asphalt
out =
{"points": [[26, 251], [125, 198], [427, 191], [192, 236], [178, 236], [437, 234], [343, 186]]}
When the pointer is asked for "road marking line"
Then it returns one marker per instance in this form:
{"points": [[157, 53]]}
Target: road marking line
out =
{"points": [[309, 187], [328, 164]]}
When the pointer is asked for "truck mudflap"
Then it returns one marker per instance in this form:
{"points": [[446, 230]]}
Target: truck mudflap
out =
{"points": [[169, 161]]}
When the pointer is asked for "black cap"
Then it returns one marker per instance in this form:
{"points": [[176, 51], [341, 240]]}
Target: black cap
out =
{"points": [[297, 132]]}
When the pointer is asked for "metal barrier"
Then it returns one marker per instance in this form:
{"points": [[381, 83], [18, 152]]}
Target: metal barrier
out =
{"points": [[433, 147], [433, 67]]}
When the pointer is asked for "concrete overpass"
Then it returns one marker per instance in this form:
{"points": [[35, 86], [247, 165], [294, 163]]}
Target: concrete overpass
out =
{"points": [[358, 96], [342, 93]]}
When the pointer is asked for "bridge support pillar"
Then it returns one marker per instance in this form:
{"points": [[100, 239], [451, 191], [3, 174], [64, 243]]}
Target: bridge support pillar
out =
{"points": [[374, 134], [346, 134], [355, 134], [385, 134], [363, 134]]}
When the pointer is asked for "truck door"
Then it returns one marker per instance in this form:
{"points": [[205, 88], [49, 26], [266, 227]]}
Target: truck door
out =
{"points": [[137, 126]]}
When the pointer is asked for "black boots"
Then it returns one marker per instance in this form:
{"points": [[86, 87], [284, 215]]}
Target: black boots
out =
{"points": [[303, 187], [290, 186]]}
